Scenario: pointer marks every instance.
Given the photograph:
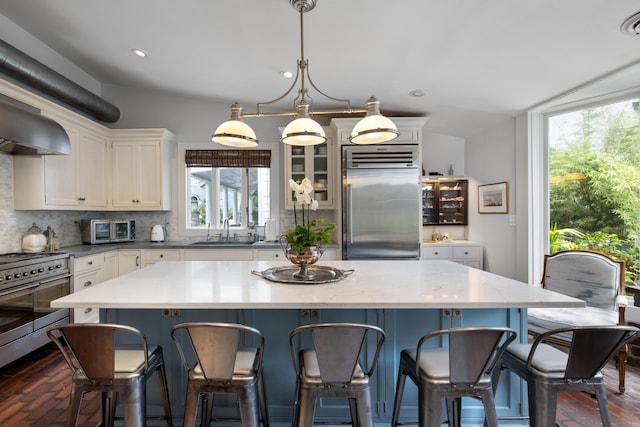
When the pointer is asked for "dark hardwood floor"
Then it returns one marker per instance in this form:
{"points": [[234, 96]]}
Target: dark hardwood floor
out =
{"points": [[34, 392]]}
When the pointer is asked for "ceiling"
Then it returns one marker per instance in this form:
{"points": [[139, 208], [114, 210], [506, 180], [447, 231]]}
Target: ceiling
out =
{"points": [[478, 62]]}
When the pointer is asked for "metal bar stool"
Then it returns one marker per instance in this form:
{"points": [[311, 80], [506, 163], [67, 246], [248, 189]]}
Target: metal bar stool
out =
{"points": [[548, 370], [217, 361], [462, 369], [334, 365], [97, 364]]}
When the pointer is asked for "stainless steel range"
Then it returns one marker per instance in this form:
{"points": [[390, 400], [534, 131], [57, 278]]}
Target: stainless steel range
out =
{"points": [[28, 283]]}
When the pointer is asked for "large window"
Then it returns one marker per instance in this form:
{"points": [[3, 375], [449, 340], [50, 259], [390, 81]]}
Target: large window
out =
{"points": [[594, 180], [236, 194]]}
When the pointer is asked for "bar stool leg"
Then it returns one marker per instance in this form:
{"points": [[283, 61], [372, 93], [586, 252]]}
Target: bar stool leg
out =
{"points": [[74, 405], [165, 394], [133, 402], [491, 417], [191, 405], [306, 407], [545, 405], [248, 401], [262, 397], [601, 396], [363, 405], [402, 379]]}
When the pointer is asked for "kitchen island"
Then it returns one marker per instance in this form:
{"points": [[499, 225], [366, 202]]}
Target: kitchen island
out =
{"points": [[406, 298]]}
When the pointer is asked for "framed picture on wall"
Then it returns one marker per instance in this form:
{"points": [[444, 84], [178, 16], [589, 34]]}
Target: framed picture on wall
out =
{"points": [[493, 198]]}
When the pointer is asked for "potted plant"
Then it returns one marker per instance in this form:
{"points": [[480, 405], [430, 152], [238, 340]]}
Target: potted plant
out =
{"points": [[306, 241]]}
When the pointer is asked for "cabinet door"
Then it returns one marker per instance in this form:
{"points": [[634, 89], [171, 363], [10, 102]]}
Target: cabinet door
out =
{"points": [[137, 174], [91, 175], [149, 175], [218, 254], [129, 260], [60, 174], [124, 180], [110, 267], [313, 162]]}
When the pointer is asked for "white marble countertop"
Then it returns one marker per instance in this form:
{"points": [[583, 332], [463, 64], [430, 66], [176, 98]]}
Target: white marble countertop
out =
{"points": [[373, 284]]}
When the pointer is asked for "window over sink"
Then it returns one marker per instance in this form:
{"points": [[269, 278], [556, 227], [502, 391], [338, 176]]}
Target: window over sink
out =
{"points": [[227, 186]]}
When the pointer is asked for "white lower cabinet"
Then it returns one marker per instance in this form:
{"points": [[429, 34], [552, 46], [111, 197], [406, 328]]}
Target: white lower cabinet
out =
{"points": [[151, 256], [89, 271], [129, 260], [461, 251]]}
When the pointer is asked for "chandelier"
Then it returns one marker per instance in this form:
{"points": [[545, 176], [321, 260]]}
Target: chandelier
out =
{"points": [[374, 128]]}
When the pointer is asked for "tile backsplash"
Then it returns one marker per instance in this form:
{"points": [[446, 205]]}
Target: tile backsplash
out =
{"points": [[64, 223]]}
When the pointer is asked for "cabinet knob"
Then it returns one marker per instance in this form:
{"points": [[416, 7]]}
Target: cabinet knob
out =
{"points": [[90, 263], [435, 253], [88, 310], [87, 283], [466, 252], [161, 255]]}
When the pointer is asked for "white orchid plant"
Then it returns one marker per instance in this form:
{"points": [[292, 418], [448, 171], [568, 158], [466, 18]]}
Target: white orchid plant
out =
{"points": [[306, 233]]}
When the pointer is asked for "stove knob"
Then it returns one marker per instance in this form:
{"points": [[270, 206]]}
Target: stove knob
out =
{"points": [[17, 275], [50, 267], [8, 277], [25, 274], [33, 272], [41, 269]]}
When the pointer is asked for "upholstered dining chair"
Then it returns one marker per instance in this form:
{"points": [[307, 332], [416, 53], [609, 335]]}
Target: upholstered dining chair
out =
{"points": [[334, 363], [549, 370], [464, 368], [98, 364], [590, 276], [222, 358]]}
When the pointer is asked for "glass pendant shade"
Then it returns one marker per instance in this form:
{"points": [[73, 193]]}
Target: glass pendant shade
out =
{"points": [[235, 132], [303, 130], [374, 128]]}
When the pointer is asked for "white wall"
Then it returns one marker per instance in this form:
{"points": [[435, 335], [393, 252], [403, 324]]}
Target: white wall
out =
{"points": [[440, 151], [490, 157]]}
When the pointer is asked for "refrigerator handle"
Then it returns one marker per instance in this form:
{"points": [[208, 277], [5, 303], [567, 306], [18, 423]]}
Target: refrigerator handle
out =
{"points": [[350, 216]]}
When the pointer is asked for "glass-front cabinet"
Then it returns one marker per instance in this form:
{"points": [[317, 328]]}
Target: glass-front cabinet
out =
{"points": [[444, 201], [313, 162]]}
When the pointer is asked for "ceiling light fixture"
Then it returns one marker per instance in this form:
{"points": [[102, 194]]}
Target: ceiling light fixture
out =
{"points": [[139, 52], [303, 130]]}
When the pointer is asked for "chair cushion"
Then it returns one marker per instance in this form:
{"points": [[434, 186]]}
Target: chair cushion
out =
{"points": [[129, 359], [543, 319], [434, 363], [312, 370], [546, 358], [244, 364]]}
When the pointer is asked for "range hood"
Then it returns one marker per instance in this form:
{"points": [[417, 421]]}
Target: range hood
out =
{"points": [[25, 133]]}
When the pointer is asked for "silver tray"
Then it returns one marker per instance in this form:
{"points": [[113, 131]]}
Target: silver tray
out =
{"points": [[322, 274]]}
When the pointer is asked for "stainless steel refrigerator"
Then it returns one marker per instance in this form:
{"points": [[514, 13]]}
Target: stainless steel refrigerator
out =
{"points": [[381, 202]]}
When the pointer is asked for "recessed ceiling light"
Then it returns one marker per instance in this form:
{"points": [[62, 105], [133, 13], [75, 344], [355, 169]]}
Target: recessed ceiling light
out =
{"points": [[631, 25], [139, 52], [286, 74], [417, 93]]}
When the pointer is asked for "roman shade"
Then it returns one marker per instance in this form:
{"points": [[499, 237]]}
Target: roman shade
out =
{"points": [[228, 158]]}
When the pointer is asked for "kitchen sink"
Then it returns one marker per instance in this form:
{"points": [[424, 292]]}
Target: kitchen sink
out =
{"points": [[221, 243]]}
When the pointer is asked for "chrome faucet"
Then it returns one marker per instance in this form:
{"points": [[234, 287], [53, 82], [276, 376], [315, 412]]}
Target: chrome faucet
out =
{"points": [[208, 231], [225, 224]]}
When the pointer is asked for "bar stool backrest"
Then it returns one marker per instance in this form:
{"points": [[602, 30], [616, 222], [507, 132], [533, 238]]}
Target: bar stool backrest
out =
{"points": [[90, 348], [213, 347], [473, 352], [592, 347], [339, 349]]}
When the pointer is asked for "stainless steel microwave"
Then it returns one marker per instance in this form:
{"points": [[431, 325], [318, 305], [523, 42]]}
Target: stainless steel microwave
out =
{"points": [[96, 231]]}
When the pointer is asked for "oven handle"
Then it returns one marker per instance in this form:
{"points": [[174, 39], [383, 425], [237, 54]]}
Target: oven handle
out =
{"points": [[22, 288], [44, 282]]}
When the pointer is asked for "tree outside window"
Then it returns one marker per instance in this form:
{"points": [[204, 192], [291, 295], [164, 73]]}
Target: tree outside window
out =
{"points": [[594, 181]]}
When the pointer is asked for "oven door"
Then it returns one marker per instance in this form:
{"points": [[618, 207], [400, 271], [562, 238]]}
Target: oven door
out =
{"points": [[28, 308]]}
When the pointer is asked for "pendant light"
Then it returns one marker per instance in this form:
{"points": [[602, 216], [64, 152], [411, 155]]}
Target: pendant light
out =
{"points": [[303, 130], [235, 132], [374, 128]]}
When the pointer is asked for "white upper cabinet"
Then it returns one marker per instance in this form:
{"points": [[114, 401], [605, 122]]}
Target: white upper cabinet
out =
{"points": [[315, 162], [142, 163], [78, 181]]}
